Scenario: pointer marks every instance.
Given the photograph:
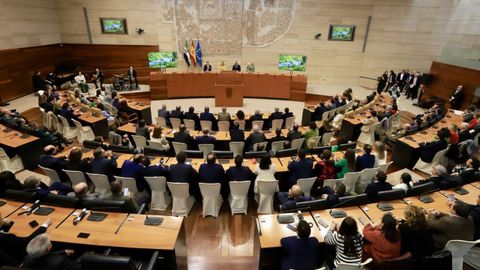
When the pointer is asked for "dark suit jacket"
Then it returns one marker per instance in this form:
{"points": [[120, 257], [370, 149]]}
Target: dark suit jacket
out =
{"points": [[193, 116], [276, 115], [242, 173], [56, 164], [183, 173], [372, 189], [177, 114], [300, 169], [299, 254], [457, 102], [164, 113], [286, 115], [156, 170], [211, 173], [237, 67], [53, 261], [68, 114], [446, 227], [105, 166], [237, 135], [292, 135], [130, 205], [256, 137], [205, 139], [143, 131], [318, 113], [207, 68], [256, 117], [365, 161], [207, 117], [15, 246], [428, 151], [135, 170], [183, 137]]}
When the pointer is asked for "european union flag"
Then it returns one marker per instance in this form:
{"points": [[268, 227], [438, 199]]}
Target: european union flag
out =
{"points": [[199, 54]]}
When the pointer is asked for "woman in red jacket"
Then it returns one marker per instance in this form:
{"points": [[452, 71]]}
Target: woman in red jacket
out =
{"points": [[383, 240]]}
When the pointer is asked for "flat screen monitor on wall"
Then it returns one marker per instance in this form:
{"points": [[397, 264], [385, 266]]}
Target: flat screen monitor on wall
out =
{"points": [[341, 32], [162, 60], [113, 26], [292, 62]]}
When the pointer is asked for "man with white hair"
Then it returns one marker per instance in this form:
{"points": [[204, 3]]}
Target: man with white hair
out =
{"points": [[164, 113], [257, 116], [40, 255], [256, 136], [456, 98]]}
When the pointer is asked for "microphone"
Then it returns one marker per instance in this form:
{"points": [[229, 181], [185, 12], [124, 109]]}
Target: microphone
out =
{"points": [[384, 206], [427, 199], [32, 209], [340, 213], [80, 216]]}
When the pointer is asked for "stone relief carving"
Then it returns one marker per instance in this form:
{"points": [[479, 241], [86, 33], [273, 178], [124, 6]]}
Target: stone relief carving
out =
{"points": [[225, 26]]}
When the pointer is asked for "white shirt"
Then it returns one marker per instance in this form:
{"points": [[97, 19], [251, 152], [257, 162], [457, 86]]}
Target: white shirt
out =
{"points": [[378, 161], [337, 120], [80, 79], [401, 186], [264, 175]]}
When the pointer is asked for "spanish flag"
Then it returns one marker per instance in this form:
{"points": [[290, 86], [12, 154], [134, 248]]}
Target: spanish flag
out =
{"points": [[193, 55]]}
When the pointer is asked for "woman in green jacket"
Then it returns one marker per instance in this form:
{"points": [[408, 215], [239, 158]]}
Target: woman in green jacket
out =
{"points": [[346, 164]]}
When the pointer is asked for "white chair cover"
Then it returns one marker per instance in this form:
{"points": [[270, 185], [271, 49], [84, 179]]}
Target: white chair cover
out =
{"points": [[366, 177], [238, 198], [326, 137], [75, 177], [83, 132], [161, 199], [351, 179], [182, 201], [68, 132], [52, 174], [212, 200], [139, 141], [206, 149], [176, 122], [277, 123], [236, 148], [179, 147], [189, 124], [258, 123], [266, 191], [223, 125], [100, 181], [459, 248], [439, 158], [161, 122], [306, 184], [297, 143], [289, 122], [205, 124]]}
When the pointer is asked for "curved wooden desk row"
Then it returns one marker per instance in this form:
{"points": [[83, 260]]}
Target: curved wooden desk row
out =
{"points": [[28, 147], [119, 230], [227, 86], [406, 150], [271, 232]]}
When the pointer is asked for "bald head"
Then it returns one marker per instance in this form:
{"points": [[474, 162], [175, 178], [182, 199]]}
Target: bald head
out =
{"points": [[296, 191], [224, 109], [80, 188], [255, 128], [49, 150]]}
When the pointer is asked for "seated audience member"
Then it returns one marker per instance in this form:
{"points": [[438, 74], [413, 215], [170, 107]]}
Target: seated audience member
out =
{"points": [[76, 162], [134, 168], [240, 115], [294, 133], [81, 192], [191, 115], [239, 172], [428, 150], [68, 114], [301, 251], [347, 241], [236, 134], [454, 136], [278, 136], [311, 132], [346, 164], [183, 136], [13, 246], [318, 112], [338, 119], [257, 116], [160, 138], [380, 154], [288, 200], [369, 122], [453, 226], [206, 115], [379, 185], [276, 114], [41, 256], [183, 172], [442, 179], [416, 236], [475, 216], [109, 98], [159, 169], [286, 114], [471, 172], [104, 162], [164, 113], [405, 182], [142, 130], [33, 183], [211, 172], [256, 136], [116, 194], [333, 195], [365, 161], [9, 181], [205, 138], [110, 118], [324, 169], [383, 240], [177, 113], [300, 168], [464, 132], [48, 160], [264, 170], [224, 115]]}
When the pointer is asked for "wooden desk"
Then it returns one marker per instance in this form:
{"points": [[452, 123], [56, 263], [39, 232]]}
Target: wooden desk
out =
{"points": [[9, 208], [476, 184], [376, 214], [175, 85], [394, 178], [143, 110], [98, 123], [29, 148], [352, 211], [22, 228], [470, 198], [271, 232], [439, 203]]}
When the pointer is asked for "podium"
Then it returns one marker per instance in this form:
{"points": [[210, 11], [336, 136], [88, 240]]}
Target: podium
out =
{"points": [[229, 89]]}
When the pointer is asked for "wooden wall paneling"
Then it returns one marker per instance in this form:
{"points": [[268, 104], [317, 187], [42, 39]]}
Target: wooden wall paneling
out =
{"points": [[447, 77]]}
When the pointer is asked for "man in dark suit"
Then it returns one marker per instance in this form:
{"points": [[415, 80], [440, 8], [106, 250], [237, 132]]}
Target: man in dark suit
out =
{"points": [[205, 138], [191, 115], [401, 76], [294, 133], [134, 168], [257, 116], [428, 150], [15, 246], [380, 184], [104, 162], [236, 135], [318, 112], [236, 67], [256, 136], [97, 76], [116, 194], [206, 115], [155, 170], [367, 160], [457, 98], [132, 76], [288, 200], [164, 113], [183, 136], [212, 172], [68, 114], [207, 67], [301, 251], [286, 114], [278, 136], [40, 256], [413, 86], [142, 130], [276, 114], [177, 113], [333, 195], [48, 160], [241, 173], [302, 167], [185, 173]]}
